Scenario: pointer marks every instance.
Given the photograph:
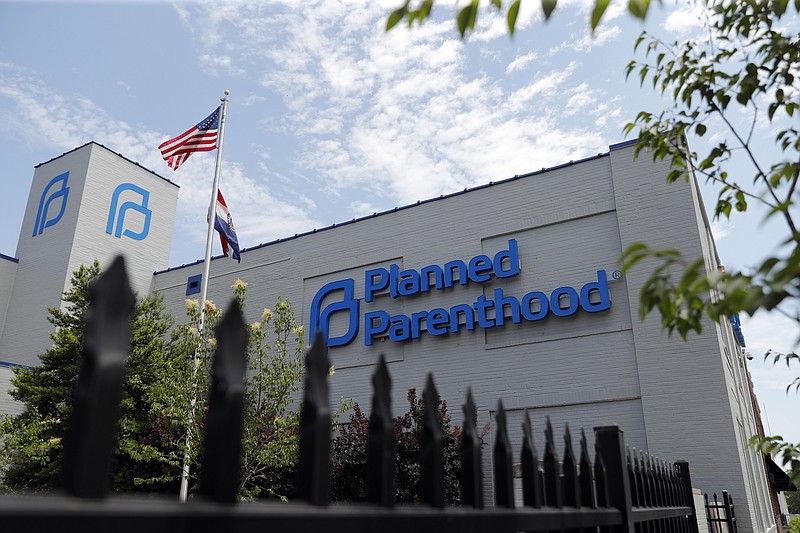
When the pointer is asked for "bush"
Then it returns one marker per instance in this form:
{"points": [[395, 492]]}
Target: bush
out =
{"points": [[349, 457]]}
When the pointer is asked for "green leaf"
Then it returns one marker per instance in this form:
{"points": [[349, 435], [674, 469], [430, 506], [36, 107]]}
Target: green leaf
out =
{"points": [[638, 8], [424, 10], [548, 6], [779, 7], [597, 13], [700, 130], [395, 17], [467, 16], [513, 11], [497, 4]]}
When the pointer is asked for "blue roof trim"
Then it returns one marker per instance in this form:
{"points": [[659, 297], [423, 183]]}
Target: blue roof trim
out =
{"points": [[113, 152], [9, 258], [418, 202], [623, 144], [6, 364]]}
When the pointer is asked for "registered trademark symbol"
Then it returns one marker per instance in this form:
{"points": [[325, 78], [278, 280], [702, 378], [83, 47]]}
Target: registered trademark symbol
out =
{"points": [[616, 274]]}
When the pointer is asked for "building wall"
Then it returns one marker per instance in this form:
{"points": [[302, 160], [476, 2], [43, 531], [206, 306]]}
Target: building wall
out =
{"points": [[8, 406], [8, 272], [44, 257], [674, 399], [49, 254]]}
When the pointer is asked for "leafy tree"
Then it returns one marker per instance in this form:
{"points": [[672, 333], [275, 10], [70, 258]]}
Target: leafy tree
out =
{"points": [[746, 65], [153, 357], [271, 429], [468, 14], [270, 437], [793, 501], [31, 444], [164, 399], [794, 525], [349, 457]]}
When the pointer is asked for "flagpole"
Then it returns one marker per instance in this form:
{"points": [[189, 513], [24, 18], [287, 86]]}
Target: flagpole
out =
{"points": [[184, 491]]}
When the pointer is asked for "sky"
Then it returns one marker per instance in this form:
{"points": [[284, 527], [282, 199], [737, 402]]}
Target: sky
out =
{"points": [[331, 118]]}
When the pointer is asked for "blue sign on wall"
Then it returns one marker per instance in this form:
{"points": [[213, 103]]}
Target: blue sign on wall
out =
{"points": [[120, 213], [45, 215], [484, 312]]}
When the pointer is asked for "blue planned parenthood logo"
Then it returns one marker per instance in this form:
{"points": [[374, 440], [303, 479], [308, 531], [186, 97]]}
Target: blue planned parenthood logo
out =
{"points": [[321, 317], [120, 213], [492, 310], [46, 206]]}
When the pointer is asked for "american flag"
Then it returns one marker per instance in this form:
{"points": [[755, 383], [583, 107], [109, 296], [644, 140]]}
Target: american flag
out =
{"points": [[200, 138]]}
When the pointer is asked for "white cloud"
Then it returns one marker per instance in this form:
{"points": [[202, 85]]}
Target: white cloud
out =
{"points": [[213, 63], [544, 85], [520, 62], [687, 18], [720, 228], [398, 116], [583, 41]]}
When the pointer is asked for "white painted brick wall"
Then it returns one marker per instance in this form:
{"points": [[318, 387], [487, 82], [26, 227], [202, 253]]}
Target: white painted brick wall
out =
{"points": [[670, 397]]}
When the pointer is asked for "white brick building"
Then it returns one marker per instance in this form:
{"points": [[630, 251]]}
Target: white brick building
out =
{"points": [[564, 227]]}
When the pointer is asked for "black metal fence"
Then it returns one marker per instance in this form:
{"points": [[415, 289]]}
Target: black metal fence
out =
{"points": [[615, 492], [721, 515]]}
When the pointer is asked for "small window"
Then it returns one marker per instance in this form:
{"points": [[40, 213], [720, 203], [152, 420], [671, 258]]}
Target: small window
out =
{"points": [[193, 284]]}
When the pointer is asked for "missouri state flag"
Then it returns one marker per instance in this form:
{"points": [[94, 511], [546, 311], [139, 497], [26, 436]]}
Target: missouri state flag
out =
{"points": [[223, 223], [200, 138]]}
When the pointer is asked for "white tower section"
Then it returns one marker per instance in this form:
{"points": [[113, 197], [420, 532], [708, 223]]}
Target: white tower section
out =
{"points": [[89, 203]]}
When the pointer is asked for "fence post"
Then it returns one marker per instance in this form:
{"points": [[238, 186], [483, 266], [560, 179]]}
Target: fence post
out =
{"points": [[471, 486], [431, 449], [380, 440], [585, 478], [611, 443], [532, 486], [313, 470], [91, 434], [688, 495], [222, 450], [730, 517], [503, 478], [552, 476], [569, 481]]}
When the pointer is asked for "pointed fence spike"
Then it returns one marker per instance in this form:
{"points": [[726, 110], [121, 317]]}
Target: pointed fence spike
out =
{"points": [[552, 476], [585, 477], [380, 440], [222, 449], [92, 430], [532, 492], [313, 470], [634, 479], [658, 476], [640, 484], [503, 468], [600, 479], [431, 449], [651, 481], [569, 480], [471, 485]]}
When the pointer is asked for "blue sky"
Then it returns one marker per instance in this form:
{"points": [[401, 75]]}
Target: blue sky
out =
{"points": [[330, 118]]}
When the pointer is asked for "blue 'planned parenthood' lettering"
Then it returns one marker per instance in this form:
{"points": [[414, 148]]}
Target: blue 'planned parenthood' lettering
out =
{"points": [[407, 282], [489, 312], [485, 312]]}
